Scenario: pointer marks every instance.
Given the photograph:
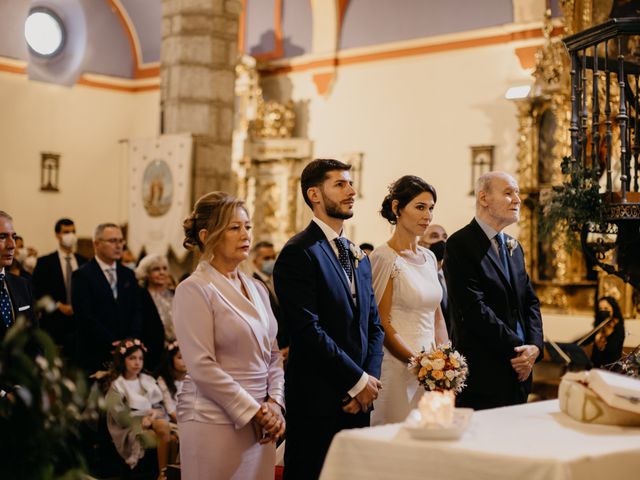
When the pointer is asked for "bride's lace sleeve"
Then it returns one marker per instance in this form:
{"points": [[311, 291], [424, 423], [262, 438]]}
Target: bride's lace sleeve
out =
{"points": [[383, 267]]}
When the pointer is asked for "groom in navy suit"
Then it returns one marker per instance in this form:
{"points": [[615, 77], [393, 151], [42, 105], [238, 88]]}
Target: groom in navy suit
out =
{"points": [[324, 285], [496, 313]]}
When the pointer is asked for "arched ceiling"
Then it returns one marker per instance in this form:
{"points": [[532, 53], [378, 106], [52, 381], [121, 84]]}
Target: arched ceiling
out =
{"points": [[123, 37]]}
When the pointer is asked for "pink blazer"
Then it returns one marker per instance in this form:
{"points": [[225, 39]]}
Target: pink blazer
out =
{"points": [[229, 345]]}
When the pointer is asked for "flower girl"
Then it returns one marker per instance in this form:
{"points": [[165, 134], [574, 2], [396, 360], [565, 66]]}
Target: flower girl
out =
{"points": [[135, 416], [170, 375]]}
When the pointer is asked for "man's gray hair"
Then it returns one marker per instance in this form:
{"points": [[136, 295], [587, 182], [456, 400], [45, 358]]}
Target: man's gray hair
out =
{"points": [[4, 214], [483, 184], [97, 235]]}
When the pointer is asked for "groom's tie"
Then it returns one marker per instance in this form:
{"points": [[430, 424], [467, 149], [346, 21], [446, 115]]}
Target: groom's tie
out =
{"points": [[502, 249], [343, 255]]}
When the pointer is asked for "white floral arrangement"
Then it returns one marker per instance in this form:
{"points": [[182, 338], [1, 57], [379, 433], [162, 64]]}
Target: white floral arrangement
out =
{"points": [[512, 244], [441, 369]]}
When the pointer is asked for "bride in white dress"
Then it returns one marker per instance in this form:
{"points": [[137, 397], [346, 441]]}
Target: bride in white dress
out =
{"points": [[405, 282]]}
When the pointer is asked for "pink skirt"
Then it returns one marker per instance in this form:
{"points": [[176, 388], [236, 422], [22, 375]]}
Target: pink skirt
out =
{"points": [[211, 451]]}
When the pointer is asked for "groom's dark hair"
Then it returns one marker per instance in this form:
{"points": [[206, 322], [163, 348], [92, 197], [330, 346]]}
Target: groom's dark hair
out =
{"points": [[316, 172]]}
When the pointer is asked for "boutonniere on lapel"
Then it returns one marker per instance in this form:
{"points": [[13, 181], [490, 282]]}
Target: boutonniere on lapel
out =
{"points": [[512, 244], [356, 253]]}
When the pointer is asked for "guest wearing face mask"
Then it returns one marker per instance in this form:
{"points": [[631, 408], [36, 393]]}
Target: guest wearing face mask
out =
{"points": [[608, 338], [263, 260], [52, 278]]}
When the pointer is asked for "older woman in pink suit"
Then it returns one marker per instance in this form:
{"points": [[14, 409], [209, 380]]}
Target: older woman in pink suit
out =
{"points": [[230, 408]]}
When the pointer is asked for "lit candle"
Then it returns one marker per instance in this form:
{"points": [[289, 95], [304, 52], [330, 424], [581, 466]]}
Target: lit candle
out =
{"points": [[436, 409]]}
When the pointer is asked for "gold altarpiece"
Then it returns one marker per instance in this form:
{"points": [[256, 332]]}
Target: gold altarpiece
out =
{"points": [[559, 273], [268, 160]]}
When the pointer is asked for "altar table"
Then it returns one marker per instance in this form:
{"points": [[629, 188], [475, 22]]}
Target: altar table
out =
{"points": [[535, 441]]}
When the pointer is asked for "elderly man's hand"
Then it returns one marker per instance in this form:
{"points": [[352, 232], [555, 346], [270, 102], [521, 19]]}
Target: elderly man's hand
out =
{"points": [[523, 363]]}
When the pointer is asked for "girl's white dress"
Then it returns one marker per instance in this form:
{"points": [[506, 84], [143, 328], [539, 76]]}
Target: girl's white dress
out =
{"points": [[416, 296], [128, 401]]}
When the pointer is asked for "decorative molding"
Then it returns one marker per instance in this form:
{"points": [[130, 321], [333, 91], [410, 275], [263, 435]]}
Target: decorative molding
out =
{"points": [[324, 81], [117, 84], [409, 48]]}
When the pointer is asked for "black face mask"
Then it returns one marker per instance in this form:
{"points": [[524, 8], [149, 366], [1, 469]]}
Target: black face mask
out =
{"points": [[602, 315], [438, 249]]}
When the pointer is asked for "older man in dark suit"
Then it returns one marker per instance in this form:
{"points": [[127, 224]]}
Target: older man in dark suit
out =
{"points": [[496, 313], [335, 354], [52, 278], [104, 296], [15, 292]]}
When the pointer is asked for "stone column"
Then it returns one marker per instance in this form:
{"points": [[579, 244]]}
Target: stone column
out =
{"points": [[198, 58]]}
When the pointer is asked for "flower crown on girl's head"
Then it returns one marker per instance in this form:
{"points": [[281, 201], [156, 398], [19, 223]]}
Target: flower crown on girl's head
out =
{"points": [[130, 343], [173, 346]]}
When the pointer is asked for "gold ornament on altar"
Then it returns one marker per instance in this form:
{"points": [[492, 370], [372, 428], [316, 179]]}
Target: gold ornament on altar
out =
{"points": [[274, 120]]}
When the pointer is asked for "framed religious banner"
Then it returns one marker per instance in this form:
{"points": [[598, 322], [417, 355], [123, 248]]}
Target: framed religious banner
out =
{"points": [[159, 193]]}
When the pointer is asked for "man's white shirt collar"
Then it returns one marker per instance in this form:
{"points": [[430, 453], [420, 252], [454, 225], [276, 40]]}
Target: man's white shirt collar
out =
{"points": [[105, 266], [329, 232]]}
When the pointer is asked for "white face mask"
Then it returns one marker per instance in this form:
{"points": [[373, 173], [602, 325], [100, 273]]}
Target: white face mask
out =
{"points": [[21, 255], [267, 267], [68, 240], [29, 263]]}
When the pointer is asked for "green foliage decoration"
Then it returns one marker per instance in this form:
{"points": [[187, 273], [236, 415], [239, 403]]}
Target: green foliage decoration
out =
{"points": [[42, 413], [574, 204]]}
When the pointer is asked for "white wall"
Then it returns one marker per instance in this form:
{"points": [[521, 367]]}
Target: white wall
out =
{"points": [[410, 115], [414, 115], [84, 125]]}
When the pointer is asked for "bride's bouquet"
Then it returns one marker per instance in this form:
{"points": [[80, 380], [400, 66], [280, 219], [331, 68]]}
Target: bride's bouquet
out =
{"points": [[441, 369]]}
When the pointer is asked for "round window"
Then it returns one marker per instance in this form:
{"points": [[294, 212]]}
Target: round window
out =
{"points": [[44, 32]]}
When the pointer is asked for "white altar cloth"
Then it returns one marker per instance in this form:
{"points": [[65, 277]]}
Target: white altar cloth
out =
{"points": [[527, 442]]}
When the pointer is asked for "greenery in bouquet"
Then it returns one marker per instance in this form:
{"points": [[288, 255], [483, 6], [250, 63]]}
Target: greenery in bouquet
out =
{"points": [[440, 369], [41, 410]]}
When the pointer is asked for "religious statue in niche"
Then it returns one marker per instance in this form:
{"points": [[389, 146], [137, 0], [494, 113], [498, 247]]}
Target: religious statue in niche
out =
{"points": [[157, 188], [49, 168]]}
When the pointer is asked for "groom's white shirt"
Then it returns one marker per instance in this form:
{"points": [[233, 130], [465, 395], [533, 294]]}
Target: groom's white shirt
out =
{"points": [[331, 235]]}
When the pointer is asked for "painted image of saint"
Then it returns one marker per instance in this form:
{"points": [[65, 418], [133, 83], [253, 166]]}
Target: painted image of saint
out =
{"points": [[157, 188]]}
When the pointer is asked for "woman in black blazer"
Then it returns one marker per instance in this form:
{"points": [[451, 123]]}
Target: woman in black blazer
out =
{"points": [[156, 299]]}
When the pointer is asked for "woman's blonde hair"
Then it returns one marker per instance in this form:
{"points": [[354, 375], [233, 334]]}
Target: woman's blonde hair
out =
{"points": [[212, 212]]}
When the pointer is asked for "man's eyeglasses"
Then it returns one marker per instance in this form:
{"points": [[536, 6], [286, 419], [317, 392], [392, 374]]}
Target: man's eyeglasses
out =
{"points": [[113, 241]]}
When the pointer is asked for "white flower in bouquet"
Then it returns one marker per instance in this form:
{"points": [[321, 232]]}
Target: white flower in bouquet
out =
{"points": [[438, 364]]}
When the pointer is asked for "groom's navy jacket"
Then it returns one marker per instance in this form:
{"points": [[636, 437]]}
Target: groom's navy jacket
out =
{"points": [[333, 338], [486, 307]]}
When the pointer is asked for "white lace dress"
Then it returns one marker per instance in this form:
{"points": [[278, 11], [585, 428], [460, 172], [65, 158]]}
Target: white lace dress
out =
{"points": [[416, 296]]}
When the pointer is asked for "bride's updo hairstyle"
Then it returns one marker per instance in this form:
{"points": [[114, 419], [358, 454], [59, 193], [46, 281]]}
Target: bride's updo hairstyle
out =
{"points": [[404, 190], [212, 212]]}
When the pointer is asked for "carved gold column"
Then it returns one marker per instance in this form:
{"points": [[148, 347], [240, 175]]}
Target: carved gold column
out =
{"points": [[273, 189], [267, 160], [558, 272]]}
